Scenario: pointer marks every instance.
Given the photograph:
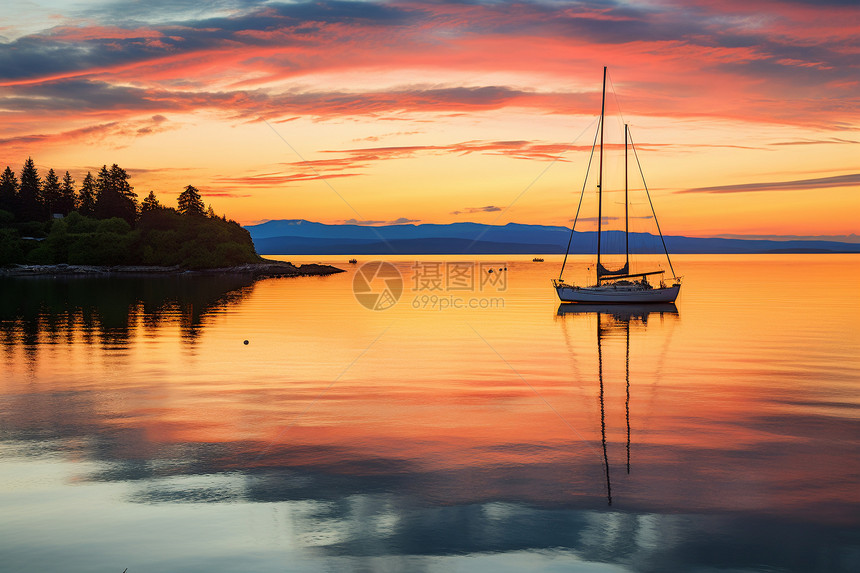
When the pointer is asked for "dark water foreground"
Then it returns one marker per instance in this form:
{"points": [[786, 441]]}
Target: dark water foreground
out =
{"points": [[138, 430]]}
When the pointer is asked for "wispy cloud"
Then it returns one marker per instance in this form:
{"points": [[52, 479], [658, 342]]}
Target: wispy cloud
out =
{"points": [[206, 194], [362, 222], [795, 185], [472, 210], [827, 141], [398, 221], [521, 149], [275, 179], [118, 131], [355, 161]]}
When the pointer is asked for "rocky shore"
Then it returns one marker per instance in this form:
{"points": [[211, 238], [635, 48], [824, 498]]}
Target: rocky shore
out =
{"points": [[259, 270]]}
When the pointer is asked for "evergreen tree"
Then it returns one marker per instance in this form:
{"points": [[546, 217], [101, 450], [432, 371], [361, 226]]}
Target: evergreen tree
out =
{"points": [[102, 185], [86, 203], [31, 208], [66, 203], [51, 193], [9, 191], [190, 202], [150, 203], [211, 213], [119, 178], [115, 197]]}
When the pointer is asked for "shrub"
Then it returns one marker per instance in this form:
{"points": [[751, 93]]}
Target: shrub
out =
{"points": [[100, 249], [11, 250], [6, 218]]}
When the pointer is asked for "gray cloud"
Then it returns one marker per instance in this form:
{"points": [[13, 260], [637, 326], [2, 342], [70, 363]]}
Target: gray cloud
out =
{"points": [[828, 141], [398, 221], [471, 210], [91, 95], [362, 222], [795, 185]]}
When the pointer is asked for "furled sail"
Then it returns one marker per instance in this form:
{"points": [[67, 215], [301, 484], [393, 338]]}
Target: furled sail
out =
{"points": [[604, 272]]}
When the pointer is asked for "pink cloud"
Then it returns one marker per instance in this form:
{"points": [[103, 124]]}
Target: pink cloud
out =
{"points": [[273, 180], [707, 58]]}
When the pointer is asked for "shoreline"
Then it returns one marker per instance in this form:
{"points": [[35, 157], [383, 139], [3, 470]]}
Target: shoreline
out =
{"points": [[264, 269]]}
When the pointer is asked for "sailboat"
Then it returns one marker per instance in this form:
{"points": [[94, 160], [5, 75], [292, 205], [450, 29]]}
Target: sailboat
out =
{"points": [[618, 285]]}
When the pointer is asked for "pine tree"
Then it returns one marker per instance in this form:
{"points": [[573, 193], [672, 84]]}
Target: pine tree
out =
{"points": [[51, 192], [102, 184], [9, 200], [119, 178], [150, 203], [211, 213], [86, 203], [190, 202], [31, 208], [114, 195], [67, 195]]}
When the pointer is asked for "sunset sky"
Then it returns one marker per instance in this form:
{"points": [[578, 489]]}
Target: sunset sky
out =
{"points": [[746, 113]]}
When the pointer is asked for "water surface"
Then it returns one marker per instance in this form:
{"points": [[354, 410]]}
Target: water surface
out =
{"points": [[138, 431]]}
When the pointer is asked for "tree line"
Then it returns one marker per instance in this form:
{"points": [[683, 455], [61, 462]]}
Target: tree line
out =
{"points": [[49, 221], [109, 194]]}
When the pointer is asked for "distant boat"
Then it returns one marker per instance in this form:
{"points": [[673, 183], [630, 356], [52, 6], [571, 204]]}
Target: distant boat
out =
{"points": [[353, 261], [537, 260], [619, 285]]}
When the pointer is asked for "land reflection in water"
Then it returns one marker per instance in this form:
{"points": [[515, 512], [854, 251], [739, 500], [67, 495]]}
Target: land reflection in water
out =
{"points": [[36, 310]]}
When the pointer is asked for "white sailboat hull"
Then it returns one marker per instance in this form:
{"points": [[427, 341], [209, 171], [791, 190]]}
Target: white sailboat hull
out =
{"points": [[617, 294]]}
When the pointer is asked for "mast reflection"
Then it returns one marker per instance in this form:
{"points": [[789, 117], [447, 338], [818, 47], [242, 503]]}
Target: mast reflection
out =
{"points": [[612, 321]]}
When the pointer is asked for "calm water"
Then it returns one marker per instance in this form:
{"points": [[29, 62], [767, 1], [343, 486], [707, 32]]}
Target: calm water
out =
{"points": [[723, 434]]}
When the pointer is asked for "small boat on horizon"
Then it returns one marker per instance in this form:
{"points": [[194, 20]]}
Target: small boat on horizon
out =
{"points": [[353, 261], [618, 286]]}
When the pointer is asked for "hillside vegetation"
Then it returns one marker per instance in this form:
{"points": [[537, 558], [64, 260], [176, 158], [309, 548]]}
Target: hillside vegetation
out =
{"points": [[47, 222]]}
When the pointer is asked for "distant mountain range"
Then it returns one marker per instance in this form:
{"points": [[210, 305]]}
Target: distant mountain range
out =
{"points": [[300, 237]]}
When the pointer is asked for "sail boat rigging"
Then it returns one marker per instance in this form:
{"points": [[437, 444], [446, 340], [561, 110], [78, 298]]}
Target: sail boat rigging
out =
{"points": [[616, 286]]}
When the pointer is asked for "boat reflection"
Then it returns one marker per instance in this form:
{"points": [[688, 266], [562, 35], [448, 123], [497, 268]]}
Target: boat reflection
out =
{"points": [[623, 313], [615, 320]]}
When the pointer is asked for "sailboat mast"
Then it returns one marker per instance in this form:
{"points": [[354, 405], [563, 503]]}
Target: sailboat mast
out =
{"points": [[600, 174], [626, 207]]}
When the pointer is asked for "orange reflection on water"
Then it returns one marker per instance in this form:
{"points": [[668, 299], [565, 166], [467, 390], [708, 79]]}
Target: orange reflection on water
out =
{"points": [[743, 398]]}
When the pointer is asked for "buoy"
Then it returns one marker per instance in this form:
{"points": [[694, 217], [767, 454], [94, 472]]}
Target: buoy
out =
{"points": [[245, 343]]}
